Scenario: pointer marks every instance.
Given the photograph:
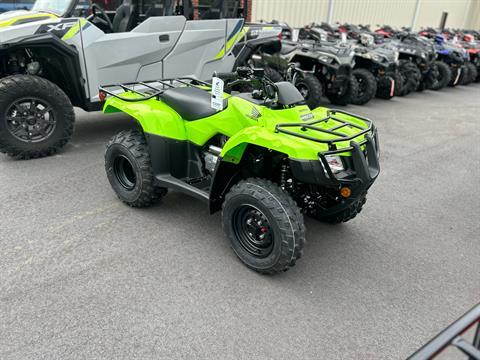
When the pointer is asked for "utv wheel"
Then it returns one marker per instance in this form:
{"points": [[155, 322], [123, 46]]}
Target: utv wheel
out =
{"points": [[411, 76], [367, 86], [36, 117], [128, 167], [273, 74], [311, 89], [264, 226], [347, 97], [443, 77], [343, 215]]}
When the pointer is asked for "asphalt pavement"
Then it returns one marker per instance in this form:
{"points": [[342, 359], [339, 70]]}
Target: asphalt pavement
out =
{"points": [[83, 276]]}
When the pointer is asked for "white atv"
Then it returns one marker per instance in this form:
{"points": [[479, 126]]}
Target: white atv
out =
{"points": [[55, 57]]}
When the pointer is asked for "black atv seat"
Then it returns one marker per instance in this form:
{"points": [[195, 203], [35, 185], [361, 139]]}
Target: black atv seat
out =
{"points": [[190, 103]]}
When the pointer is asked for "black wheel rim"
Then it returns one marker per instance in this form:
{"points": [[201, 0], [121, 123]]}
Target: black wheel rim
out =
{"points": [[362, 86], [123, 169], [30, 120], [253, 231]]}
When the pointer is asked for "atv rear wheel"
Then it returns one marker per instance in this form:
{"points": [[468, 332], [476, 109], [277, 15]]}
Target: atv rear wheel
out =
{"points": [[129, 170], [444, 76], [343, 215], [264, 225], [367, 86], [36, 117], [347, 97], [311, 89]]}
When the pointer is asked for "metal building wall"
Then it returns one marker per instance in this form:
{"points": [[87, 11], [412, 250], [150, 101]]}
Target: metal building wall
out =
{"points": [[373, 12]]}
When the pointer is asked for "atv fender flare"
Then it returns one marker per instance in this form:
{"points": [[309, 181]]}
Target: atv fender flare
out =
{"points": [[229, 170]]}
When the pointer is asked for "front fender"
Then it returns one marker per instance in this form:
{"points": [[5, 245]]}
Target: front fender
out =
{"points": [[153, 116], [260, 136]]}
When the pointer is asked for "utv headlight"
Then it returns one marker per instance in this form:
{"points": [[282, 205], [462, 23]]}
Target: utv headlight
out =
{"points": [[335, 163]]}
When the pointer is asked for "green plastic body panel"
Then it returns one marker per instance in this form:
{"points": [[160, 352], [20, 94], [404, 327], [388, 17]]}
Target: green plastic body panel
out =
{"points": [[241, 123]]}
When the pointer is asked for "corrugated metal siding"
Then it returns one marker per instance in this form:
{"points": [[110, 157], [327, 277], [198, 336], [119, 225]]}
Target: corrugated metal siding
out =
{"points": [[393, 12]]}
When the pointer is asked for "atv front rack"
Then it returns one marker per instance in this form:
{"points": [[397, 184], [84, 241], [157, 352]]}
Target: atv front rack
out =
{"points": [[282, 128], [146, 89]]}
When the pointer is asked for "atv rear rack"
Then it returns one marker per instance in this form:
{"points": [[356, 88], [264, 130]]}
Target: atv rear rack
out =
{"points": [[282, 128], [146, 88]]}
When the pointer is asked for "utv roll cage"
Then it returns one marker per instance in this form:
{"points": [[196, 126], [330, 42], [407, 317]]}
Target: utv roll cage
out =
{"points": [[452, 336]]}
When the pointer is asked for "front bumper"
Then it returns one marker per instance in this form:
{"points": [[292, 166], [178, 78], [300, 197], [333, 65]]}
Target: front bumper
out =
{"points": [[362, 169]]}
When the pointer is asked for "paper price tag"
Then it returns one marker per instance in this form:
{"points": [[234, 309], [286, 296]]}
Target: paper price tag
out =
{"points": [[217, 94]]}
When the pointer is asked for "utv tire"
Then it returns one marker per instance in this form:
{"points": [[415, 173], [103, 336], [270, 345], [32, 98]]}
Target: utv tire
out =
{"points": [[273, 74], [264, 225], [343, 215], [311, 89], [36, 117], [367, 86], [348, 96], [129, 170], [411, 76], [444, 76]]}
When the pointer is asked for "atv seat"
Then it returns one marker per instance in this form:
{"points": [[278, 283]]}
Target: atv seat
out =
{"points": [[190, 103]]}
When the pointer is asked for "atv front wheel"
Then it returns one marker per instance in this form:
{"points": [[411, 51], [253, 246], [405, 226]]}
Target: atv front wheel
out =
{"points": [[367, 86], [472, 72], [311, 89], [343, 215], [443, 77], [411, 76], [264, 225], [129, 170], [348, 96], [36, 117], [384, 86]]}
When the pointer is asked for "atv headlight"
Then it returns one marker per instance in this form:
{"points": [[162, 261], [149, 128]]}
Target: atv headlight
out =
{"points": [[335, 163], [377, 58]]}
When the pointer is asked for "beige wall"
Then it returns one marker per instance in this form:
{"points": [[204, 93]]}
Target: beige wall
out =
{"points": [[461, 13]]}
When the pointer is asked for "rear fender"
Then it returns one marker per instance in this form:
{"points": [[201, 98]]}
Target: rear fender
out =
{"points": [[153, 116]]}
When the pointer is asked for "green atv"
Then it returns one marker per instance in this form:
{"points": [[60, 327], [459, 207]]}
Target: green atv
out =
{"points": [[262, 157]]}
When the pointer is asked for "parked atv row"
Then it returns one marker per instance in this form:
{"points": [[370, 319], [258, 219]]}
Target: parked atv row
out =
{"points": [[384, 63]]}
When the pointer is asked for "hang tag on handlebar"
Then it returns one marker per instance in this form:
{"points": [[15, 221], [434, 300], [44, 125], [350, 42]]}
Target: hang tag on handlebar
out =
{"points": [[217, 94]]}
